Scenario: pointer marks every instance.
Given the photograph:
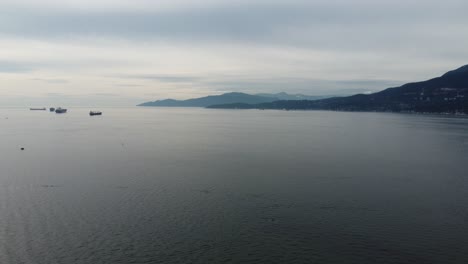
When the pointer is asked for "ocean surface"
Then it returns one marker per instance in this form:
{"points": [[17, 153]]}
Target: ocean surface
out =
{"points": [[189, 185]]}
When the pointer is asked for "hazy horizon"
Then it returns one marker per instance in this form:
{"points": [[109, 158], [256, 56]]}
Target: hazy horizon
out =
{"points": [[121, 53]]}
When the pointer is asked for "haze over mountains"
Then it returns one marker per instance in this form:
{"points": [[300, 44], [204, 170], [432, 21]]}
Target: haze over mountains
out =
{"points": [[445, 94], [230, 98], [286, 96]]}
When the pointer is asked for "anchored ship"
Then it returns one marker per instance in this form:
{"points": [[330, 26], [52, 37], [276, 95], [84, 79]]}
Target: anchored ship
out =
{"points": [[60, 110], [93, 113]]}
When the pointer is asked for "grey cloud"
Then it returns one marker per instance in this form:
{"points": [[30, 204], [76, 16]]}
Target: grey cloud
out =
{"points": [[306, 86], [50, 80], [162, 78], [129, 85], [241, 83], [14, 67], [334, 25], [21, 66], [106, 94], [64, 100]]}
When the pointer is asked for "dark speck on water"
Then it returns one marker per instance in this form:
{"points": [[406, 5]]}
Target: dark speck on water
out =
{"points": [[49, 186], [175, 185], [205, 191]]}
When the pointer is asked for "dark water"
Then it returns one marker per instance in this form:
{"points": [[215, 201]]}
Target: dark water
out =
{"points": [[213, 186]]}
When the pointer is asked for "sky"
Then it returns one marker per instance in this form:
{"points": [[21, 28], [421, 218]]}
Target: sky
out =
{"points": [[124, 52]]}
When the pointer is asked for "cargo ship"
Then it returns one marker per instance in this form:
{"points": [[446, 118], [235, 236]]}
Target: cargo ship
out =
{"points": [[60, 110], [93, 113]]}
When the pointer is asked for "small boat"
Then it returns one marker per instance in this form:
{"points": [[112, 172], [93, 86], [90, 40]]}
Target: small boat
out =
{"points": [[52, 109], [37, 109], [93, 113], [60, 110]]}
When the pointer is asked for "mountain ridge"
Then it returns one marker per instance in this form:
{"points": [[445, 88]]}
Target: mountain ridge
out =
{"points": [[447, 93], [229, 98]]}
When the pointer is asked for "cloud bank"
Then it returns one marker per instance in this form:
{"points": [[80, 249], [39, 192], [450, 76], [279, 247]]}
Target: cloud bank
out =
{"points": [[180, 49]]}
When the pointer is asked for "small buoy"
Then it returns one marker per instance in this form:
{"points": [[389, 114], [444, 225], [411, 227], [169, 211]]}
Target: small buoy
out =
{"points": [[22, 148]]}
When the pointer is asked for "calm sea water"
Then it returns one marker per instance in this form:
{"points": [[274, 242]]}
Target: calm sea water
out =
{"points": [[168, 185]]}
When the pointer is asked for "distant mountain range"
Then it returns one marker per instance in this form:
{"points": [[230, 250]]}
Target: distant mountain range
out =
{"points": [[286, 96], [445, 94], [230, 98]]}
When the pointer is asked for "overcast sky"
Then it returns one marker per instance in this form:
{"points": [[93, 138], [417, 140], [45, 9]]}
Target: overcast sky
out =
{"points": [[122, 52]]}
